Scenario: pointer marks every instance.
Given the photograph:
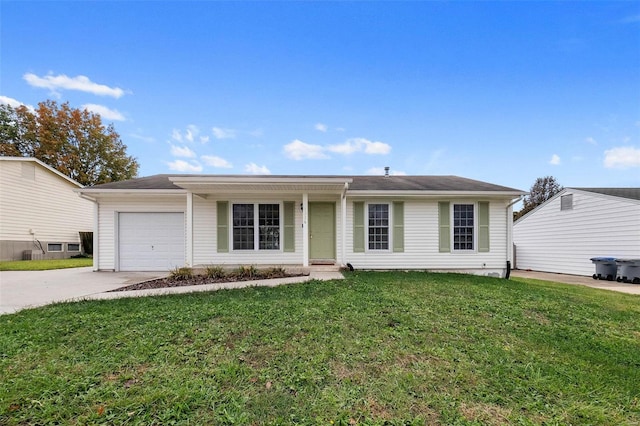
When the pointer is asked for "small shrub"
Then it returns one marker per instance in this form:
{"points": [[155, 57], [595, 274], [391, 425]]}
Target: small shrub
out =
{"points": [[274, 272], [215, 272], [181, 274], [247, 272]]}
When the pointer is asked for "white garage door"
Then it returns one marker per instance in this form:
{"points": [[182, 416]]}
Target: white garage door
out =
{"points": [[151, 241]]}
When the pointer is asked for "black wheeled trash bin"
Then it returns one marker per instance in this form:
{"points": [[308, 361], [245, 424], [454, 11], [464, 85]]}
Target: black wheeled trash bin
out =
{"points": [[628, 270], [606, 268]]}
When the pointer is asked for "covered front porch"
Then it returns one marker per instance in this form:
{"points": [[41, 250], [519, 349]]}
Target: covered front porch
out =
{"points": [[311, 220]]}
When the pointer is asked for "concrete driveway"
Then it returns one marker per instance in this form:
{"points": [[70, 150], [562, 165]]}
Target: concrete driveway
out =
{"points": [[28, 289], [579, 280]]}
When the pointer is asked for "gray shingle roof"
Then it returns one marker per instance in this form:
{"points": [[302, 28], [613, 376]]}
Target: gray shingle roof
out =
{"points": [[423, 183], [149, 182], [631, 193], [359, 183]]}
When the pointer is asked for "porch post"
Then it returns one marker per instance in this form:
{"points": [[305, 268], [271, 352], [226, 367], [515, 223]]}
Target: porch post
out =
{"points": [[189, 239], [343, 226], [305, 230]]}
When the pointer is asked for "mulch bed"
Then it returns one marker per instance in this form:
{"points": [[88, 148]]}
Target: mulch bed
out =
{"points": [[169, 282]]}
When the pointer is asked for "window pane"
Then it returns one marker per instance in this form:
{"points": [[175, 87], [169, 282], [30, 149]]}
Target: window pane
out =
{"points": [[269, 226], [243, 233], [463, 226], [378, 226]]}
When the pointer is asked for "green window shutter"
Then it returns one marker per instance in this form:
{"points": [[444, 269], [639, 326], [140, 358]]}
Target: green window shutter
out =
{"points": [[289, 243], [398, 227], [483, 226], [444, 227], [223, 226], [358, 227]]}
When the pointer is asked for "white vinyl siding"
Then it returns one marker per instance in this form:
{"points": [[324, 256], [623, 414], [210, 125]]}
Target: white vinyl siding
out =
{"points": [[205, 234], [421, 242], [33, 198], [550, 239]]}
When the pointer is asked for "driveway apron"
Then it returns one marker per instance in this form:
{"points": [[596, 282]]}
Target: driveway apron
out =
{"points": [[28, 289]]}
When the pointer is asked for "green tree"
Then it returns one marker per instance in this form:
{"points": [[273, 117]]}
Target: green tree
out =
{"points": [[543, 189], [73, 141]]}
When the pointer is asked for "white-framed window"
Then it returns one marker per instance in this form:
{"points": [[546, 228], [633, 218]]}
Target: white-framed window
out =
{"points": [[378, 234], [566, 202], [256, 225], [73, 247], [52, 247], [463, 227]]}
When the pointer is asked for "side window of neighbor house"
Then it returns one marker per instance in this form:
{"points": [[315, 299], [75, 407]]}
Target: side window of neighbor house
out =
{"points": [[566, 202], [378, 228], [246, 226], [463, 226]]}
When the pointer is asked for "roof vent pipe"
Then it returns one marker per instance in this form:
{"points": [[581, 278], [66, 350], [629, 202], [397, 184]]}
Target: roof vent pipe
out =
{"points": [[386, 171]]}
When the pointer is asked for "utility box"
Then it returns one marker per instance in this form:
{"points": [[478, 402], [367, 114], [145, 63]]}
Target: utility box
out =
{"points": [[606, 268], [628, 270], [32, 255]]}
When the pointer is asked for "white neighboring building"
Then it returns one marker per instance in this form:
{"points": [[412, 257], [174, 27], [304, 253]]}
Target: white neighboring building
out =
{"points": [[564, 233], [39, 211]]}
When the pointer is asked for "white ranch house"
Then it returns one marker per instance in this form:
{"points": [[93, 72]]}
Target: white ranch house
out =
{"points": [[40, 214], [439, 223], [564, 233]]}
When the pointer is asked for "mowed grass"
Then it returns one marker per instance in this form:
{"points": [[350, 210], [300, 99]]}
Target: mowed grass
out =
{"points": [[43, 265], [376, 348]]}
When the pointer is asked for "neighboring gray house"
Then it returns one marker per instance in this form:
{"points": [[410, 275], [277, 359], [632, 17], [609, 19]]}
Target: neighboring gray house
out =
{"points": [[40, 213], [443, 223], [564, 233]]}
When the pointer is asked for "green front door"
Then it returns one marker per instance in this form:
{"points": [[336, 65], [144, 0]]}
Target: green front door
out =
{"points": [[322, 231]]}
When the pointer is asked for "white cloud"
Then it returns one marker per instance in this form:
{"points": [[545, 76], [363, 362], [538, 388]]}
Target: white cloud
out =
{"points": [[298, 150], [182, 151], [591, 141], [183, 166], [104, 112], [555, 160], [14, 103], [321, 127], [213, 161], [360, 145], [257, 133], [622, 157], [189, 135], [220, 133], [81, 83], [254, 169]]}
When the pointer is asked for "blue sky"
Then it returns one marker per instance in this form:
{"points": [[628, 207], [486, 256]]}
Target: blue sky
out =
{"points": [[503, 92]]}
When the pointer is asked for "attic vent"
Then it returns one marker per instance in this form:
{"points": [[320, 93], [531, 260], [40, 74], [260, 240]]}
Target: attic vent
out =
{"points": [[566, 202]]}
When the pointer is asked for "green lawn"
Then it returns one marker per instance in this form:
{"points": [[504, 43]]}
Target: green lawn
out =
{"points": [[377, 348], [42, 265]]}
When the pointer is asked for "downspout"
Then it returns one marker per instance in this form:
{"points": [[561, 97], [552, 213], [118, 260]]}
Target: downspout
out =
{"points": [[343, 221], [509, 213], [96, 246]]}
